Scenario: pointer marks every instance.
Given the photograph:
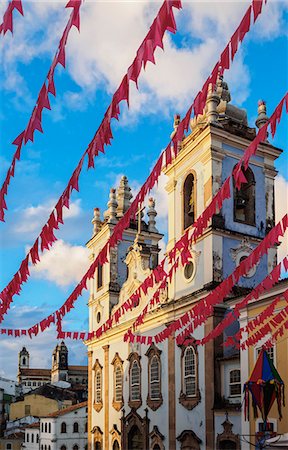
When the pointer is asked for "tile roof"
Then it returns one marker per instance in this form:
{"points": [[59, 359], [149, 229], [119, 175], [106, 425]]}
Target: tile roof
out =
{"points": [[53, 392], [64, 411], [35, 372], [33, 425]]}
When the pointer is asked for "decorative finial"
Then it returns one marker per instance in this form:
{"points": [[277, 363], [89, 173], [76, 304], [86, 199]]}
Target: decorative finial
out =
{"points": [[175, 125], [110, 214], [262, 116], [96, 221], [212, 102], [123, 196], [152, 213]]}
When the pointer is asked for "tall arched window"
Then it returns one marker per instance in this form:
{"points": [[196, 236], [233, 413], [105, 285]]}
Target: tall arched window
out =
{"points": [[45, 427], [116, 445], [190, 394], [75, 427], [154, 378], [63, 427], [244, 199], [75, 447], [154, 398], [63, 447], [189, 200], [98, 403], [189, 370], [134, 381], [49, 427], [98, 387], [118, 384]]}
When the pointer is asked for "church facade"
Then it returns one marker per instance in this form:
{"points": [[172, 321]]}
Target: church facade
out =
{"points": [[31, 378], [170, 397]]}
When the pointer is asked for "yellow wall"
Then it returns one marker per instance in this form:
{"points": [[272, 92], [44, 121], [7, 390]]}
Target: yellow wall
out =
{"points": [[39, 406], [16, 444], [281, 350]]}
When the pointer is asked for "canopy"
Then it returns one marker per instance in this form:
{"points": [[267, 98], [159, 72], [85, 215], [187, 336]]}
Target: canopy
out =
{"points": [[265, 385]]}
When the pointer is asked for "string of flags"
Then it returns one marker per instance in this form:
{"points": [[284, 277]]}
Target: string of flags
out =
{"points": [[102, 138], [47, 237], [7, 24]]}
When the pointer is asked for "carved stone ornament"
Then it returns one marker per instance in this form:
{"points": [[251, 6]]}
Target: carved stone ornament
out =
{"points": [[227, 435], [243, 250]]}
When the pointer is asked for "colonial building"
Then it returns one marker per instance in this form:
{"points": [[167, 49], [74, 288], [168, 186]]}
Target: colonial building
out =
{"points": [[64, 429], [168, 396], [30, 378]]}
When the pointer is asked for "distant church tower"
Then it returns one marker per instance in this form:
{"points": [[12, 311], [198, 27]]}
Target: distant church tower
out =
{"points": [[23, 362], [60, 363]]}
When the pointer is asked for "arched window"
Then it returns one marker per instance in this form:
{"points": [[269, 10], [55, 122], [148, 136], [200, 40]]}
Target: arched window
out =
{"points": [[45, 427], [190, 394], [37, 438], [97, 368], [154, 399], [27, 437], [244, 200], [235, 383], [189, 371], [32, 438], [118, 383], [86, 427], [49, 427], [63, 447], [189, 200], [75, 427], [45, 447], [24, 360], [98, 445], [42, 447], [116, 445], [42, 427], [134, 381], [154, 378], [98, 393], [63, 427], [75, 447]]}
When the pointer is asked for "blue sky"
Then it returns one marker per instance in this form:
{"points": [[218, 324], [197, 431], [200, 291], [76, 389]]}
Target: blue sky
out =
{"points": [[96, 61]]}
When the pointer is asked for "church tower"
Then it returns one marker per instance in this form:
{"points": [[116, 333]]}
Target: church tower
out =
{"points": [[59, 363], [23, 360], [106, 285], [207, 157]]}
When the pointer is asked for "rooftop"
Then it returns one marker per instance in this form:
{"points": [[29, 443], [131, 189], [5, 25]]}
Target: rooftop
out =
{"points": [[64, 411]]}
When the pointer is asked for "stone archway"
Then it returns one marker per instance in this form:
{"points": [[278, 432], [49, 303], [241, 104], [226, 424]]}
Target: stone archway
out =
{"points": [[135, 431], [135, 439]]}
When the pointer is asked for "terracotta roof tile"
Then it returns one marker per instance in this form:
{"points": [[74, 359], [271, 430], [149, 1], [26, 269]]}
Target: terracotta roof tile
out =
{"points": [[35, 372], [61, 412]]}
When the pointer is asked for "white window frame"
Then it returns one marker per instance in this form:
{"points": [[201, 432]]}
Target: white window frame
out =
{"points": [[234, 383], [156, 381], [193, 376], [138, 384], [118, 386], [98, 389], [258, 348]]}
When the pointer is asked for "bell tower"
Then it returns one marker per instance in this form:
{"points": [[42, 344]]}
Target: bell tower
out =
{"points": [[23, 362], [205, 159], [59, 363], [108, 281]]}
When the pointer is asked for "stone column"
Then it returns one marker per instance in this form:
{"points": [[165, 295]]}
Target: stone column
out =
{"points": [[90, 400], [106, 397], [171, 393]]}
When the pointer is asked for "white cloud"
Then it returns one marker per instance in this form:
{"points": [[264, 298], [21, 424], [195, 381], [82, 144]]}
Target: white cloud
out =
{"points": [[64, 264], [30, 219], [110, 34], [281, 208]]}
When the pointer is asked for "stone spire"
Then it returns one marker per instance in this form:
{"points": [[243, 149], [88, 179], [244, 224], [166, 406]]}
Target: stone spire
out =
{"points": [[212, 102], [123, 196], [152, 213], [175, 125], [110, 214], [96, 221], [262, 117]]}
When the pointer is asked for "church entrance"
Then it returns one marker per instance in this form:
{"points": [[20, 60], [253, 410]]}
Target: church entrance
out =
{"points": [[135, 431], [227, 445], [135, 439]]}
